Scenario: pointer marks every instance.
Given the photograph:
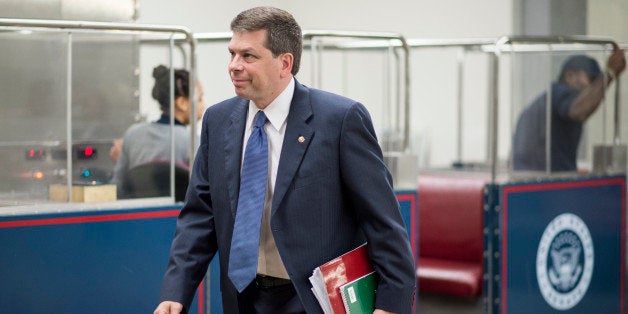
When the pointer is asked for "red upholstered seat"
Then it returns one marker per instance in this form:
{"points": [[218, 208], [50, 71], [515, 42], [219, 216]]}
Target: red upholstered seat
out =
{"points": [[450, 277], [450, 233]]}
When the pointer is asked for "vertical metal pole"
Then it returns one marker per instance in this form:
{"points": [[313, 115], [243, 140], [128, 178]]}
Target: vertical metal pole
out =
{"points": [[548, 116], [494, 59], [68, 116], [406, 109], [319, 66], [394, 101], [315, 62], [604, 110], [494, 113], [312, 57], [346, 77], [617, 135], [388, 112], [193, 99], [397, 96], [459, 108], [512, 107], [171, 109]]}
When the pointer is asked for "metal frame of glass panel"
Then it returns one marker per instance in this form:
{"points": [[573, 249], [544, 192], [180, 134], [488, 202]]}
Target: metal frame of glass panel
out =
{"points": [[72, 27], [496, 48]]}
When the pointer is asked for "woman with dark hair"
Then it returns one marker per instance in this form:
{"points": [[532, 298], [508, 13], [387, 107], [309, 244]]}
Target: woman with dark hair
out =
{"points": [[149, 142]]}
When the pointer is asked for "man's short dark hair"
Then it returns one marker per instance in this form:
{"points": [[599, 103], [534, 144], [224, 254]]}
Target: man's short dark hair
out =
{"points": [[580, 63], [284, 33]]}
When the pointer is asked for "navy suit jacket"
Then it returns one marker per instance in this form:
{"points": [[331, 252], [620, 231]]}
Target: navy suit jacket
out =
{"points": [[332, 193]]}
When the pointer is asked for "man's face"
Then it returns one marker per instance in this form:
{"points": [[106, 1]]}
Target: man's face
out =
{"points": [[185, 105], [200, 104], [254, 72], [578, 79]]}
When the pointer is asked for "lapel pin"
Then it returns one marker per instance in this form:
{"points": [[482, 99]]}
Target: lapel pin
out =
{"points": [[301, 139]]}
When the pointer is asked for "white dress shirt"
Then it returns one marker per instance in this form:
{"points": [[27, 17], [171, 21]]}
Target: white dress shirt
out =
{"points": [[269, 262]]}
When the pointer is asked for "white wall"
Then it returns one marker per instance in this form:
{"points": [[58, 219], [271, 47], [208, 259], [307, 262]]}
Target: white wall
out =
{"points": [[413, 18]]}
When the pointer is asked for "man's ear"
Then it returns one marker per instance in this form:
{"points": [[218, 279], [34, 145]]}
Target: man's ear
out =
{"points": [[287, 59]]}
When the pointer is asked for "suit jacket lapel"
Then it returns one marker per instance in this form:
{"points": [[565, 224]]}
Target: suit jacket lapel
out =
{"points": [[233, 136], [296, 141]]}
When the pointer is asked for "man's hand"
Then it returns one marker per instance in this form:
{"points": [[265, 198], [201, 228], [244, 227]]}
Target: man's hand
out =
{"points": [[617, 61], [169, 307], [116, 147], [378, 311]]}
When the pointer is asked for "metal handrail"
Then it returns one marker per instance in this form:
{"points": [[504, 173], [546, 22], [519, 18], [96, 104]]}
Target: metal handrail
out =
{"points": [[116, 27], [499, 45], [504, 41], [495, 46], [373, 40], [386, 37]]}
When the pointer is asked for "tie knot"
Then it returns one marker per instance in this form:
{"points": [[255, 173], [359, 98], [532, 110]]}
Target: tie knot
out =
{"points": [[260, 119]]}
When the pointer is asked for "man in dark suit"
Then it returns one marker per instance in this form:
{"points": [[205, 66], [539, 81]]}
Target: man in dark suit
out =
{"points": [[327, 191]]}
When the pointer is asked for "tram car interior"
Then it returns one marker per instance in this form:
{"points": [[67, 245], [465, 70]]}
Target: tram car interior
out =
{"points": [[486, 238]]}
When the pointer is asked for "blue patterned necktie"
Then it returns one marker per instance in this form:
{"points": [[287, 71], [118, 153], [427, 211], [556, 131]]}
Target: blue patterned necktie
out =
{"points": [[253, 181]]}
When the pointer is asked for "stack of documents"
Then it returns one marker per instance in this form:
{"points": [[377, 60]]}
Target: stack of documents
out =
{"points": [[352, 272]]}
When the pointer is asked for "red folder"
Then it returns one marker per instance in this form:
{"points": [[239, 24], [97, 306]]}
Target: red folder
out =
{"points": [[341, 270]]}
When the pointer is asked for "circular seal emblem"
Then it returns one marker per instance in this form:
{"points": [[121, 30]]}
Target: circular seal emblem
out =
{"points": [[564, 261]]}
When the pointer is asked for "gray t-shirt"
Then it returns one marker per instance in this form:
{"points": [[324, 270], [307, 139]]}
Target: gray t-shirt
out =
{"points": [[529, 139], [150, 141]]}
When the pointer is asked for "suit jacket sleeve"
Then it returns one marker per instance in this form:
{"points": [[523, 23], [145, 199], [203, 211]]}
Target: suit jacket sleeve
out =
{"points": [[368, 185], [194, 243]]}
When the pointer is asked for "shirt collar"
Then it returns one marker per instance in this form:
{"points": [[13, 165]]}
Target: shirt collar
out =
{"points": [[165, 119], [277, 110]]}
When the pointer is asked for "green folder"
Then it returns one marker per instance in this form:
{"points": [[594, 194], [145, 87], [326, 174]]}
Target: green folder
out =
{"points": [[358, 296]]}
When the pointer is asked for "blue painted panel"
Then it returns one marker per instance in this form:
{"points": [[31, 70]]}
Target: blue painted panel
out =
{"points": [[108, 262], [215, 297], [407, 203], [557, 235]]}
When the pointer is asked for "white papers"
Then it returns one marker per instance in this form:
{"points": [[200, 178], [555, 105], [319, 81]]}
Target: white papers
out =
{"points": [[320, 291]]}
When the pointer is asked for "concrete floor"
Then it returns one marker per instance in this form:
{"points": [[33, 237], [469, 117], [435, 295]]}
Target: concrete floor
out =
{"points": [[439, 304]]}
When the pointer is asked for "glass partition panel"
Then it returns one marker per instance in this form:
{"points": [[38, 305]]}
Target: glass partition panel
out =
{"points": [[473, 93], [32, 114], [450, 109], [68, 96], [104, 101], [537, 78]]}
